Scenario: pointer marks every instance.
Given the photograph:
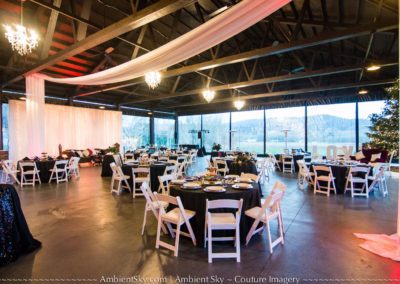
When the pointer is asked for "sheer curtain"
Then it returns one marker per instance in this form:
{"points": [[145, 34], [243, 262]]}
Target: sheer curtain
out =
{"points": [[222, 27], [72, 127]]}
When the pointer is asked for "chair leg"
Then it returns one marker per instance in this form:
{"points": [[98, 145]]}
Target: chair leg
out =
{"points": [[209, 244], [158, 232], [178, 233], [237, 242], [269, 236], [144, 219]]}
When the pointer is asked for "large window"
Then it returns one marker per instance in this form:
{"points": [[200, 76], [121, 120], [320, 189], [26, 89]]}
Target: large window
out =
{"points": [[135, 132], [285, 125], [248, 131], [218, 125], [331, 125], [5, 126], [188, 126], [365, 109], [164, 132]]}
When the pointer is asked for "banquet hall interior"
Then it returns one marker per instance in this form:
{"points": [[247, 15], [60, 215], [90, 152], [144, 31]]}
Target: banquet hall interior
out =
{"points": [[199, 141]]}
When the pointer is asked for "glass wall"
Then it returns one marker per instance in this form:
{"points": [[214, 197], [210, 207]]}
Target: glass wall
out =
{"points": [[331, 125], [135, 132], [5, 126], [186, 124], [365, 109], [218, 125], [282, 121], [248, 131], [164, 132]]}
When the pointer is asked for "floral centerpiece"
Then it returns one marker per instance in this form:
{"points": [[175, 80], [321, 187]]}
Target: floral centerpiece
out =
{"points": [[242, 158], [216, 147]]}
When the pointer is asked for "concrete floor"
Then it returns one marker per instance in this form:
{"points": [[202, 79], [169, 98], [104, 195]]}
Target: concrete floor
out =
{"points": [[87, 234]]}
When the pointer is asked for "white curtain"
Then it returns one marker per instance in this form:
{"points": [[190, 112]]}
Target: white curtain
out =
{"points": [[72, 127], [224, 26], [35, 113]]}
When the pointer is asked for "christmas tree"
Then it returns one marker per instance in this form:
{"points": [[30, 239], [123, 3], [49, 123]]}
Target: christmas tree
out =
{"points": [[384, 129]]}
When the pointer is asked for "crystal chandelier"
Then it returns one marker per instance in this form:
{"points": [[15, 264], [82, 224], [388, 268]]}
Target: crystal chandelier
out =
{"points": [[208, 95], [153, 79], [22, 40], [239, 104]]}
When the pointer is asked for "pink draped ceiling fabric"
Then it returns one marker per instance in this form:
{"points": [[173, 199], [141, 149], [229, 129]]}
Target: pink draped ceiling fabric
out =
{"points": [[224, 26]]}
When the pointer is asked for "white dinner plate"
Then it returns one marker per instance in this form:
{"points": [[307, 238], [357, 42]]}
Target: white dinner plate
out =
{"points": [[244, 180], [191, 185], [178, 181], [242, 186], [217, 182], [214, 189]]}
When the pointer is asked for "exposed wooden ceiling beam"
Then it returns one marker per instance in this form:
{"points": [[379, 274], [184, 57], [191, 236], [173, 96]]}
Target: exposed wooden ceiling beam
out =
{"points": [[44, 53], [293, 92], [143, 17], [244, 84], [261, 52]]}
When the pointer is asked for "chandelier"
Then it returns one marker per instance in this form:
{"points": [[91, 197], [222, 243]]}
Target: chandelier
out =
{"points": [[153, 79], [239, 104], [22, 40], [208, 95]]}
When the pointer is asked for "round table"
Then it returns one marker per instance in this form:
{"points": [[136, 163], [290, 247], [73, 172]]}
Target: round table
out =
{"points": [[156, 170], [196, 200], [43, 166], [105, 165], [340, 173]]}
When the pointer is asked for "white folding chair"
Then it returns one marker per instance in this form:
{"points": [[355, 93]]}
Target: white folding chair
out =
{"points": [[151, 205], [73, 167], [117, 159], [390, 163], [140, 175], [304, 176], [175, 162], [171, 170], [358, 175], [129, 156], [379, 179], [287, 164], [178, 216], [327, 178], [29, 169], [274, 162], [181, 169], [163, 159], [60, 171], [164, 181], [222, 221], [270, 210], [222, 166], [9, 174], [262, 170], [119, 178]]}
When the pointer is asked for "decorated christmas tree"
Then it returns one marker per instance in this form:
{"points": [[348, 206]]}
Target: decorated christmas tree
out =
{"points": [[384, 129]]}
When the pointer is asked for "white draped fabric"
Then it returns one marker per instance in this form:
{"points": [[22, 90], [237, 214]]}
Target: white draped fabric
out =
{"points": [[224, 26], [34, 113], [72, 127]]}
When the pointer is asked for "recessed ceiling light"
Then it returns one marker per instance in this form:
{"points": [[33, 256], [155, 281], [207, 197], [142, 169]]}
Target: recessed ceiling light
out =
{"points": [[373, 68], [102, 107], [149, 113], [362, 92], [22, 98]]}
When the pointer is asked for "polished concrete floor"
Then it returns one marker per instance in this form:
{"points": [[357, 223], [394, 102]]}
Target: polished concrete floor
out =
{"points": [[88, 234]]}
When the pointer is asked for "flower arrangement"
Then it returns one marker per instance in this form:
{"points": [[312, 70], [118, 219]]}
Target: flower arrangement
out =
{"points": [[242, 158], [216, 147]]}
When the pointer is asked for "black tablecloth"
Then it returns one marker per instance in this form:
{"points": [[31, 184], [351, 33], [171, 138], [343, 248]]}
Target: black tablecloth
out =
{"points": [[189, 146], [155, 171], [105, 166], [217, 154], [15, 237], [236, 168], [44, 168], [340, 173], [196, 200]]}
